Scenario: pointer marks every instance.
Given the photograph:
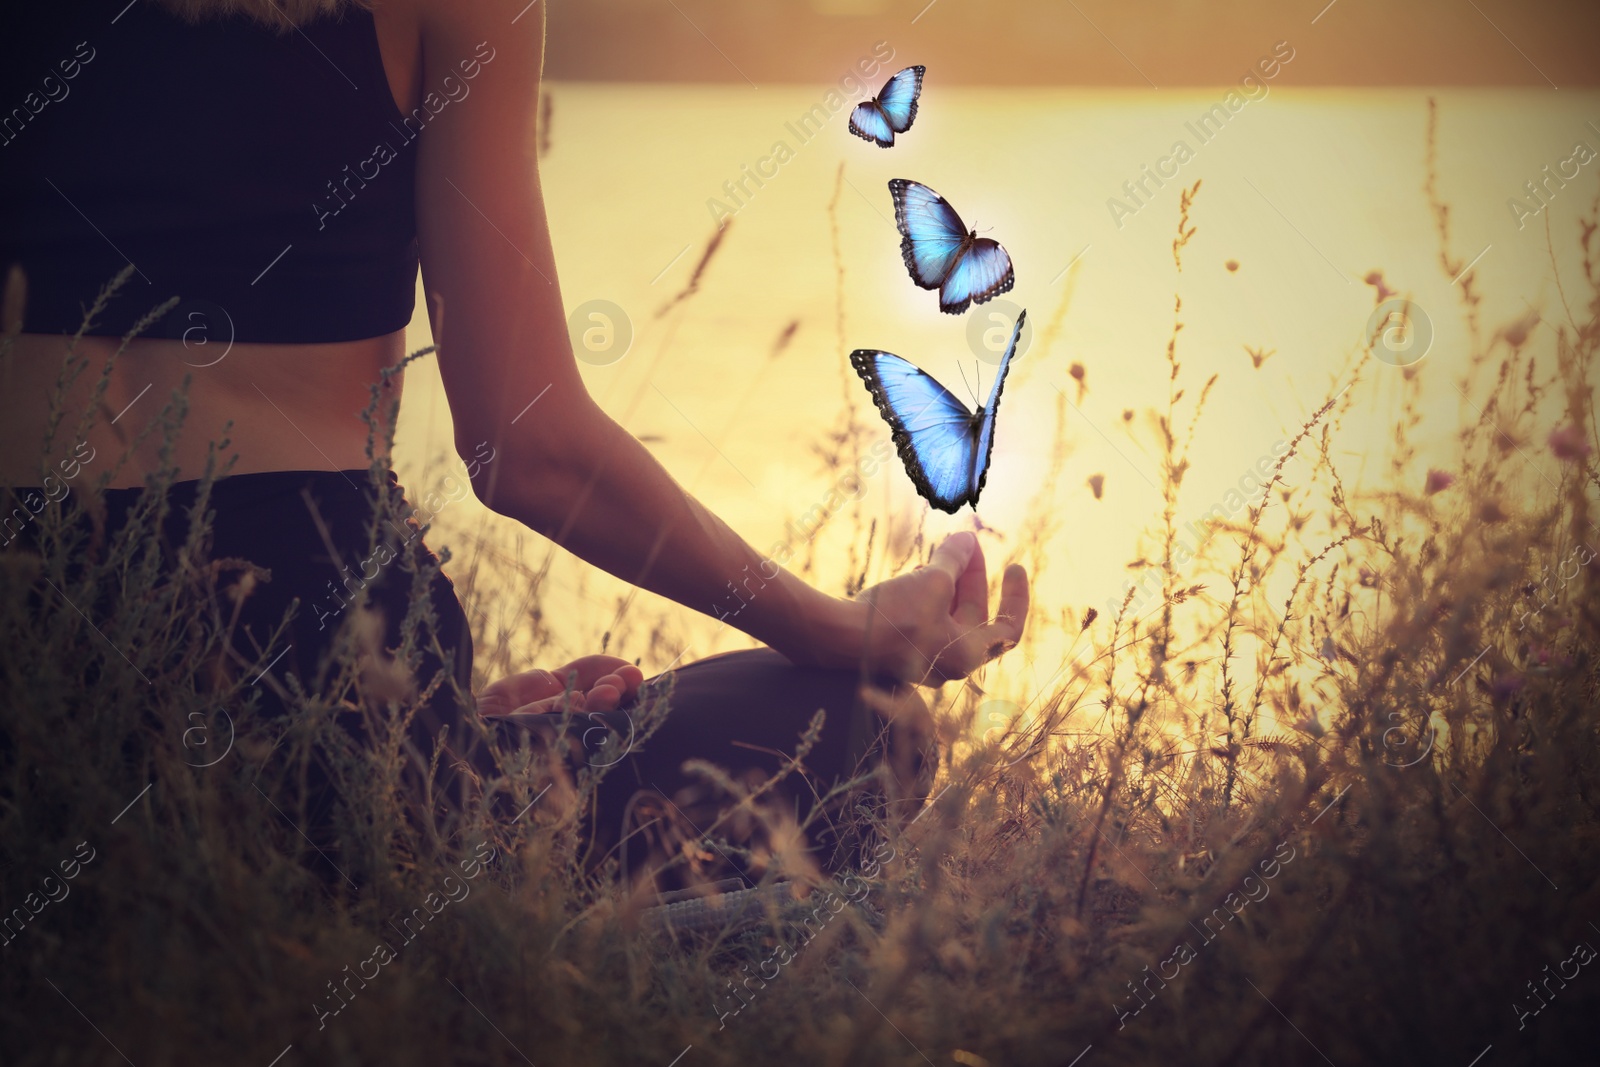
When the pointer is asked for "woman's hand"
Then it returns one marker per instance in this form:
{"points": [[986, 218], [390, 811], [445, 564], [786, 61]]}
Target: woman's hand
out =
{"points": [[933, 624], [591, 683]]}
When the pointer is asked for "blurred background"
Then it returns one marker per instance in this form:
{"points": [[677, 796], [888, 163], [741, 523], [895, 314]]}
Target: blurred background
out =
{"points": [[714, 311], [1169, 43]]}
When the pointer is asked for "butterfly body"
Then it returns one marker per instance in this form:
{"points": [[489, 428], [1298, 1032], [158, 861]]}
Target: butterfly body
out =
{"points": [[941, 253], [892, 111], [945, 447]]}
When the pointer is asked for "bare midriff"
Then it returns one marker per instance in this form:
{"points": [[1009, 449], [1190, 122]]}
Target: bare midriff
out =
{"points": [[277, 406]]}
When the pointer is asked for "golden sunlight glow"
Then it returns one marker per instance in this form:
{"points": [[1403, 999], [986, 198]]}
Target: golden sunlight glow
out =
{"points": [[1304, 195]]}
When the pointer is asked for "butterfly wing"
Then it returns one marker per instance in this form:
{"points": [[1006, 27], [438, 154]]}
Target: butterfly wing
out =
{"points": [[985, 438], [931, 429], [982, 272], [898, 98], [932, 234], [869, 123]]}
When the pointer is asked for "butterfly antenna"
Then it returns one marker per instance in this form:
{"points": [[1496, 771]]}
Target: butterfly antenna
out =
{"points": [[968, 385]]}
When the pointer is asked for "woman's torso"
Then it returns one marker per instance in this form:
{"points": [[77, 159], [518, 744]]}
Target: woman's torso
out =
{"points": [[294, 398]]}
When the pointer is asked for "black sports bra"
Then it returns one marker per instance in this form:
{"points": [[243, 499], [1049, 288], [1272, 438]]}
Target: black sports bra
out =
{"points": [[265, 179]]}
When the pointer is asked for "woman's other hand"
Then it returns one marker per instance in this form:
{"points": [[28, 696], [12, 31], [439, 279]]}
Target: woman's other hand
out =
{"points": [[933, 624], [590, 683]]}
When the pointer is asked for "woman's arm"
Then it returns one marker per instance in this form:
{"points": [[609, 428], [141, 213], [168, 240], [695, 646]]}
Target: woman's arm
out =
{"points": [[564, 468]]}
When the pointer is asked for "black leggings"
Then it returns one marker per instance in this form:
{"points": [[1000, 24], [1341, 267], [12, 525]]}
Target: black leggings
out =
{"points": [[742, 711], [745, 712]]}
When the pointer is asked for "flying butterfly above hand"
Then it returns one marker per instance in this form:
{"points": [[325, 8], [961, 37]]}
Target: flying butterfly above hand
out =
{"points": [[941, 253], [945, 447], [890, 112]]}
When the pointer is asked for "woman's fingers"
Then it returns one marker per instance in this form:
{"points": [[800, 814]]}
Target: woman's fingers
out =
{"points": [[971, 604], [589, 683], [506, 695], [585, 672], [632, 677], [1013, 603], [938, 616], [980, 643], [953, 555], [607, 693], [610, 690]]}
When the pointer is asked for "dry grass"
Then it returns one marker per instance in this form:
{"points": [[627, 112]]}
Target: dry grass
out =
{"points": [[1339, 788]]}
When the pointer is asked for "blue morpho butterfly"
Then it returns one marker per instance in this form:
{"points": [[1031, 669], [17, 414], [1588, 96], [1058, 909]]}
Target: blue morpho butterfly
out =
{"points": [[890, 112], [944, 446], [941, 253]]}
